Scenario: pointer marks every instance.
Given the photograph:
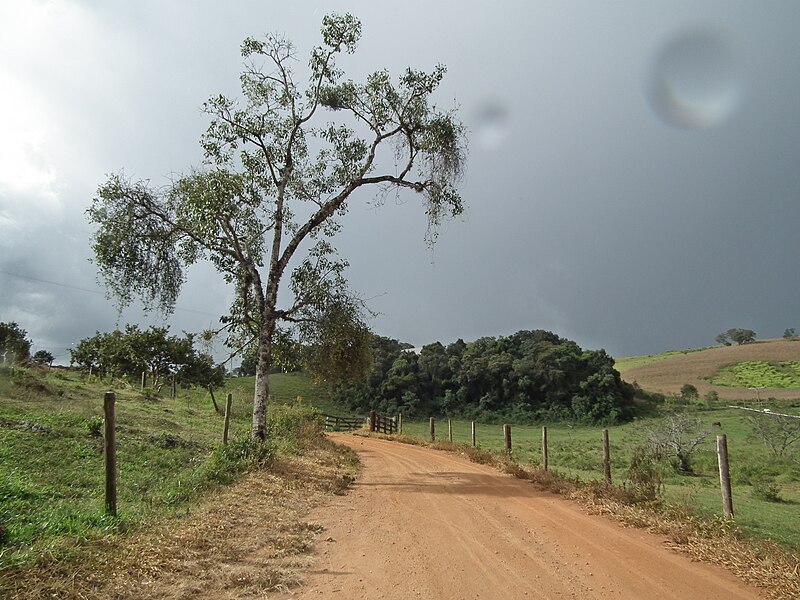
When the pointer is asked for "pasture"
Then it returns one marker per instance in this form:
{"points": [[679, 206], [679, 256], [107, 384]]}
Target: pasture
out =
{"points": [[168, 451]]}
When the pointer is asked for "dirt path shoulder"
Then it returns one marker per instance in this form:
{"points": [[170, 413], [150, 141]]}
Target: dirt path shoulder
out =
{"points": [[429, 524]]}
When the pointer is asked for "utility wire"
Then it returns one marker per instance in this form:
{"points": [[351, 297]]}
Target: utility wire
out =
{"points": [[80, 289]]}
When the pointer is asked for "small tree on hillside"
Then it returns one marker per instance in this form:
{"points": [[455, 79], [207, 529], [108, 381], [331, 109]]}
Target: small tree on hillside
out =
{"points": [[278, 174], [789, 334], [15, 347], [722, 339], [776, 432], [200, 370], [689, 392], [741, 336], [43, 357], [677, 435]]}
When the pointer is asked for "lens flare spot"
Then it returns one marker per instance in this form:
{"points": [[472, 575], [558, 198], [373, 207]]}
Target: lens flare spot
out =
{"points": [[696, 80], [491, 124]]}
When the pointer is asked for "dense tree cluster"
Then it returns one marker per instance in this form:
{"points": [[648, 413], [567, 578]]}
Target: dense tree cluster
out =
{"points": [[528, 376], [131, 352]]}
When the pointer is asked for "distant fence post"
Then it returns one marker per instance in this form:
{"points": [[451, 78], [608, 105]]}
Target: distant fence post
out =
{"points": [[724, 476], [606, 458], [507, 438], [373, 420], [110, 450], [144, 379], [449, 430], [228, 403], [433, 430], [400, 423], [544, 447], [474, 439]]}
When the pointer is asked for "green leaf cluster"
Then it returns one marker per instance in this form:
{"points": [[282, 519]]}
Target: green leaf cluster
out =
{"points": [[15, 347], [133, 351]]}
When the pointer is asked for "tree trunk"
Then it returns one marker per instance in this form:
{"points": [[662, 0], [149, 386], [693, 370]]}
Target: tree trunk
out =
{"points": [[684, 465], [213, 400], [258, 430]]}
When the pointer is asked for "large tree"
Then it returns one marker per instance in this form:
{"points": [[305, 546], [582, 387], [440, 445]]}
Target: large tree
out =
{"points": [[278, 174]]}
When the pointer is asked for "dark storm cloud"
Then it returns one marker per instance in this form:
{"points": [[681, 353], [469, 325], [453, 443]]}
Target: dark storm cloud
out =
{"points": [[591, 212]]}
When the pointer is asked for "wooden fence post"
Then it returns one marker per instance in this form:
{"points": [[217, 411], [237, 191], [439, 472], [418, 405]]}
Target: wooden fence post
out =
{"points": [[144, 379], [474, 439], [449, 430], [606, 458], [373, 420], [110, 450], [724, 476], [507, 438], [433, 430], [227, 422], [544, 447], [400, 423], [174, 388]]}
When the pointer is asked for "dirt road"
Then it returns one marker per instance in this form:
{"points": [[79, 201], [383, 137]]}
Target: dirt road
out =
{"points": [[421, 523]]}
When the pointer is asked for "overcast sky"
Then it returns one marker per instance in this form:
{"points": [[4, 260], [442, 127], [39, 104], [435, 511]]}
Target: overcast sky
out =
{"points": [[633, 179]]}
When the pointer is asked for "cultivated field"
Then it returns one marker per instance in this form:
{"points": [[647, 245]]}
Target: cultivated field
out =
{"points": [[667, 372]]}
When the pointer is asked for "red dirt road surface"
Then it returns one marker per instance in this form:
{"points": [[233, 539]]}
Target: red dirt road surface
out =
{"points": [[421, 523]]}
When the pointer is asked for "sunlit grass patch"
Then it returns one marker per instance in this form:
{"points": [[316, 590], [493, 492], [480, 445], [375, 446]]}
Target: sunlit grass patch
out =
{"points": [[759, 374]]}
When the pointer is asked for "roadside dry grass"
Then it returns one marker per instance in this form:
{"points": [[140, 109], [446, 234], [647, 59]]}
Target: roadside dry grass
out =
{"points": [[245, 540], [762, 563]]}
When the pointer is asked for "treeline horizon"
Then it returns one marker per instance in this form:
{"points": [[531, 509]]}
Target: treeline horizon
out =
{"points": [[530, 376]]}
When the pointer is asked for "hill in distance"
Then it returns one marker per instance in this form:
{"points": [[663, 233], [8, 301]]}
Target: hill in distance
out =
{"points": [[731, 371]]}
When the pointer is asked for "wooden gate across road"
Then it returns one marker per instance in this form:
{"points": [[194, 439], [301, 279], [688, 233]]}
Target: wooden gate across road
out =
{"points": [[376, 421], [336, 423], [382, 423]]}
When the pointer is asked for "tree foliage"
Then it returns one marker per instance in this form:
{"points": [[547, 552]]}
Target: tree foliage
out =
{"points": [[15, 347], [133, 351], [43, 357], [738, 335], [281, 164], [689, 392], [531, 375]]}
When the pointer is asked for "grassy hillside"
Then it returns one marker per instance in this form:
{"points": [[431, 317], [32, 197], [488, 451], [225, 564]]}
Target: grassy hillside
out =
{"points": [[51, 461], [728, 370]]}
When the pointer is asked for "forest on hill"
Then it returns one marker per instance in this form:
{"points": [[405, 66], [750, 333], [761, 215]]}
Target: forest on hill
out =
{"points": [[526, 377]]}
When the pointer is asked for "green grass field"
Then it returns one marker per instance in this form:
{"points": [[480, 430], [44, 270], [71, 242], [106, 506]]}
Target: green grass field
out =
{"points": [[634, 362], [576, 452], [51, 460], [51, 484]]}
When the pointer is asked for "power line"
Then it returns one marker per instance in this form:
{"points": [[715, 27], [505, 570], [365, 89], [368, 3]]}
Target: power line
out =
{"points": [[80, 289], [64, 285]]}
